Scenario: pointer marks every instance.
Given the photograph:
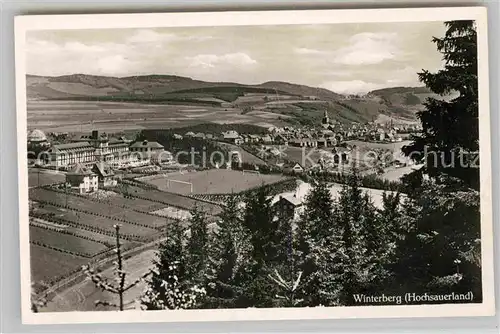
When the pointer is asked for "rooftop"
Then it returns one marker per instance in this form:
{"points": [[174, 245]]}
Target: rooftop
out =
{"points": [[79, 169], [145, 143]]}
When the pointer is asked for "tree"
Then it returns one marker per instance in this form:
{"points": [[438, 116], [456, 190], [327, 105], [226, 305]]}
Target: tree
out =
{"points": [[262, 227], [449, 141], [197, 246], [314, 243], [351, 263], [259, 222], [122, 285], [441, 246], [229, 258], [379, 230], [170, 285]]}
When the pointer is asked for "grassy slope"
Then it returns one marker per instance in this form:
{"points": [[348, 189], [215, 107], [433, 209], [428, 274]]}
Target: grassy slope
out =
{"points": [[168, 89]]}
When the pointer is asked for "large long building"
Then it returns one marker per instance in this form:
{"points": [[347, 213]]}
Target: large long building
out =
{"points": [[88, 149]]}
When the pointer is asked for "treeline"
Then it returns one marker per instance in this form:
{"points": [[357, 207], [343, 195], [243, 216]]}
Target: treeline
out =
{"points": [[368, 181], [214, 128], [262, 255]]}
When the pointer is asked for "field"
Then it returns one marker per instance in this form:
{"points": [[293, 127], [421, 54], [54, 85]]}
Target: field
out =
{"points": [[47, 264], [246, 157], [104, 208], [213, 181], [67, 231], [100, 223], [85, 116], [395, 174], [42, 177], [171, 199], [58, 240]]}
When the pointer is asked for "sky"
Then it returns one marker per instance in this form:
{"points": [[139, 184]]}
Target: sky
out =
{"points": [[345, 58]]}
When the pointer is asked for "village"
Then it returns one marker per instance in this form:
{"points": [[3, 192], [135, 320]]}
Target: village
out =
{"points": [[107, 154]]}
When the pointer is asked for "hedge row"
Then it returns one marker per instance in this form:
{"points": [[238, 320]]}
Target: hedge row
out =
{"points": [[368, 181], [38, 243], [272, 189], [78, 235], [140, 184]]}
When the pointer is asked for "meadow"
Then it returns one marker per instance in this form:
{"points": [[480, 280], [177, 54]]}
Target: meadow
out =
{"points": [[47, 264], [67, 242], [42, 177]]}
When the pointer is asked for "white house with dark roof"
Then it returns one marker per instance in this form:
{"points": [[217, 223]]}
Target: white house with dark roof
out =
{"points": [[82, 179], [146, 150]]}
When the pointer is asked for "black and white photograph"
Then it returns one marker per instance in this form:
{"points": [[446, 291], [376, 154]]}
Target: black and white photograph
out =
{"points": [[215, 166]]}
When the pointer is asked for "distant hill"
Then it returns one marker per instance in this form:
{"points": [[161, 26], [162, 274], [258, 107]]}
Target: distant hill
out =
{"points": [[406, 96], [298, 103]]}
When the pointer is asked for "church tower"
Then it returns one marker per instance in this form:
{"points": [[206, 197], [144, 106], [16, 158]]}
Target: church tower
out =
{"points": [[325, 120]]}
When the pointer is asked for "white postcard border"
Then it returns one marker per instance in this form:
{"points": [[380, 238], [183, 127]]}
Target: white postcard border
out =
{"points": [[108, 21]]}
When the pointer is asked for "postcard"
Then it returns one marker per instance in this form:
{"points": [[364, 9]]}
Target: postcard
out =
{"points": [[258, 165]]}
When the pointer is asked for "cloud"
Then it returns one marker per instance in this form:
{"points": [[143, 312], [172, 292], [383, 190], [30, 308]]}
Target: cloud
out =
{"points": [[352, 87], [306, 51], [49, 58], [150, 36], [211, 61], [368, 49]]}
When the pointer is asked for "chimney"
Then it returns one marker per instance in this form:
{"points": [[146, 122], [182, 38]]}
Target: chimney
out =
{"points": [[95, 134]]}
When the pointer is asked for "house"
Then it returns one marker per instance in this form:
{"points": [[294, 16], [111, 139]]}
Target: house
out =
{"points": [[254, 138], [105, 174], [82, 179], [290, 206], [233, 137], [146, 150], [303, 142], [281, 140], [146, 147], [200, 135], [341, 155], [266, 139], [189, 134], [178, 136], [293, 168]]}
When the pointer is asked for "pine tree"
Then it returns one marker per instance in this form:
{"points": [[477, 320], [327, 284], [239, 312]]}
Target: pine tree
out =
{"points": [[259, 221], [170, 285], [197, 246], [377, 230], [315, 243], [261, 226], [351, 261], [229, 258], [440, 248], [441, 245], [450, 134]]}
